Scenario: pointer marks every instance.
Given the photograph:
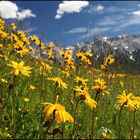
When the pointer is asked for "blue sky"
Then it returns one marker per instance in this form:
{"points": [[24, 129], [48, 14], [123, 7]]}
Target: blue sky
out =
{"points": [[68, 23]]}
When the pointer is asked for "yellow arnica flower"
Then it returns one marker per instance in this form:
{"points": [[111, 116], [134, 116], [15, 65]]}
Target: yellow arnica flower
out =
{"points": [[124, 99], [84, 95], [107, 61], [100, 86], [129, 100], [25, 70], [46, 66], [81, 81], [66, 74], [88, 54], [26, 100], [58, 82], [13, 26], [3, 80], [58, 111], [90, 102], [32, 87], [106, 135], [135, 104], [122, 84], [81, 89]]}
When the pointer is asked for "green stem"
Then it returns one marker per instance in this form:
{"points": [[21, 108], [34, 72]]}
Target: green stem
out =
{"points": [[93, 116], [75, 113], [50, 124], [13, 106], [55, 94], [119, 131]]}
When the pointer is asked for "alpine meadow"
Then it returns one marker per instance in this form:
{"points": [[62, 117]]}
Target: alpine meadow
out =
{"points": [[51, 92]]}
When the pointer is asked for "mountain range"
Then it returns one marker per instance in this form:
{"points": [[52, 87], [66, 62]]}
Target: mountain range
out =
{"points": [[125, 48]]}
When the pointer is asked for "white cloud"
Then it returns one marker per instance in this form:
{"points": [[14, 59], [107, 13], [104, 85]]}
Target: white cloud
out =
{"points": [[76, 30], [9, 9], [87, 32], [70, 7], [99, 8], [110, 20], [25, 14], [94, 9], [136, 13], [93, 31], [29, 29], [130, 21], [58, 16], [107, 21], [105, 10]]}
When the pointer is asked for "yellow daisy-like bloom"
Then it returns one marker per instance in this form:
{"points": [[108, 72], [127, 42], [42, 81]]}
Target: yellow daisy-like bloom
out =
{"points": [[62, 52], [32, 87], [13, 26], [46, 66], [109, 60], [129, 100], [50, 46], [50, 55], [100, 86], [58, 82], [25, 70], [122, 83], [3, 80], [3, 34], [103, 67], [84, 95], [65, 73], [90, 102], [81, 89], [124, 99], [81, 81], [119, 75], [134, 104], [26, 100], [31, 49], [106, 133], [23, 51], [80, 55], [1, 45], [88, 54], [58, 111]]}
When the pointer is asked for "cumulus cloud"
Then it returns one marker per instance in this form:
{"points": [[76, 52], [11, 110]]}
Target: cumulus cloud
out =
{"points": [[70, 7], [25, 14], [136, 13], [9, 10]]}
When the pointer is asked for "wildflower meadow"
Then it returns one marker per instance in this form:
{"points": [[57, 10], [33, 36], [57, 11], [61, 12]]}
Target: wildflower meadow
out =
{"points": [[71, 98]]}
